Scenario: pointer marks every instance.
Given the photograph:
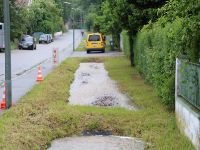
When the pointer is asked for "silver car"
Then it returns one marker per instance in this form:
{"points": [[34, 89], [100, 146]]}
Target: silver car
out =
{"points": [[45, 38]]}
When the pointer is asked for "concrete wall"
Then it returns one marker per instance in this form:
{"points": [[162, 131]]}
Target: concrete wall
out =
{"points": [[188, 121], [188, 117]]}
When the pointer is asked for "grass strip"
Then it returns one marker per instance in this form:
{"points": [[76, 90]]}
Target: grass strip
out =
{"points": [[43, 114], [81, 46]]}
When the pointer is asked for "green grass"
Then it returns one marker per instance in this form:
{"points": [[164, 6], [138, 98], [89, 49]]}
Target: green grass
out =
{"points": [[13, 45], [43, 114], [81, 46]]}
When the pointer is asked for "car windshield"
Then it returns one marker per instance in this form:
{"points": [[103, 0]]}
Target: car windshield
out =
{"points": [[43, 36], [94, 38], [28, 39]]}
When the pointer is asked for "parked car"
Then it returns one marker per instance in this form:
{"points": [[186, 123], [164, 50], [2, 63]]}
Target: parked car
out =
{"points": [[27, 42], [37, 35], [45, 38], [51, 37], [95, 42]]}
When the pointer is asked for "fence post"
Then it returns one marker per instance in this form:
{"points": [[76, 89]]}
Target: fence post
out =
{"points": [[176, 78]]}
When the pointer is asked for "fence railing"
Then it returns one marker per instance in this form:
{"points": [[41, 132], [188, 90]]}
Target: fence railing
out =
{"points": [[188, 82]]}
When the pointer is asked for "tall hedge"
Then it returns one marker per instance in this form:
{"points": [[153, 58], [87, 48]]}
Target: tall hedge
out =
{"points": [[156, 49], [174, 34]]}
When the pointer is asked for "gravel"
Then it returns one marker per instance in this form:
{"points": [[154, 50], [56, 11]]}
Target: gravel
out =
{"points": [[93, 86]]}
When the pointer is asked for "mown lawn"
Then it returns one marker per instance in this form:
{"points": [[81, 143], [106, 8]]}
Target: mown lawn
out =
{"points": [[43, 114]]}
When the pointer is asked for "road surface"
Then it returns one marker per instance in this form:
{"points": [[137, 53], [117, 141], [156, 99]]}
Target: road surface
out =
{"points": [[25, 62]]}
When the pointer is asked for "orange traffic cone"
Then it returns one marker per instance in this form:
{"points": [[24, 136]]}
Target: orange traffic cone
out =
{"points": [[3, 102], [39, 75]]}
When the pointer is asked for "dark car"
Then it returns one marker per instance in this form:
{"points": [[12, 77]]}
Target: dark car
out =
{"points": [[27, 42]]}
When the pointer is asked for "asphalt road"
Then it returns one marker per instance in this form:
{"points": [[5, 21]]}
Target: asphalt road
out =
{"points": [[25, 62]]}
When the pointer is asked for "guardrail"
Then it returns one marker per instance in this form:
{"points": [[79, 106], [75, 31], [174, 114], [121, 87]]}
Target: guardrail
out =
{"points": [[188, 82]]}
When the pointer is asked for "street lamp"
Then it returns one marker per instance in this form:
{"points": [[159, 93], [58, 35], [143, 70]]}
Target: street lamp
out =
{"points": [[7, 53]]}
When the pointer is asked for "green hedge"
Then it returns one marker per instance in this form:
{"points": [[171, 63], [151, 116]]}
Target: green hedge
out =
{"points": [[156, 49], [175, 34], [125, 41]]}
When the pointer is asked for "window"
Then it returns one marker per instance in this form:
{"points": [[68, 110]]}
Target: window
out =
{"points": [[94, 38]]}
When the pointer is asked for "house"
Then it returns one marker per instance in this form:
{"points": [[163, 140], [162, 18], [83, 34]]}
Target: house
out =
{"points": [[24, 2]]}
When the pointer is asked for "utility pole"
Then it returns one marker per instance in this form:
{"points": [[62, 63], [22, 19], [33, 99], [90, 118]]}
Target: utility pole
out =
{"points": [[73, 34], [6, 9], [73, 29]]}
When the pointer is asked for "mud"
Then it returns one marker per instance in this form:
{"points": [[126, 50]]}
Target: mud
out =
{"points": [[105, 101]]}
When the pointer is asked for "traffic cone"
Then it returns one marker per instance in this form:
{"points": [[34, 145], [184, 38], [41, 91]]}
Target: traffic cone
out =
{"points": [[39, 75], [3, 102]]}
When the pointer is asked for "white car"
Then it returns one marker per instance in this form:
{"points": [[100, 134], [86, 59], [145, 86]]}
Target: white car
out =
{"points": [[51, 37], [45, 38]]}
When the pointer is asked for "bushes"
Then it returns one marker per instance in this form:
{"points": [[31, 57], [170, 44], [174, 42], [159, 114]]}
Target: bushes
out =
{"points": [[125, 42], [175, 34], [157, 47]]}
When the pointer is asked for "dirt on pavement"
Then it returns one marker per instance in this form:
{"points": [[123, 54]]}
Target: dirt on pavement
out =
{"points": [[93, 86]]}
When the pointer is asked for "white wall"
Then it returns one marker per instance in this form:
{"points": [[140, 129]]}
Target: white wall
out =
{"points": [[188, 121]]}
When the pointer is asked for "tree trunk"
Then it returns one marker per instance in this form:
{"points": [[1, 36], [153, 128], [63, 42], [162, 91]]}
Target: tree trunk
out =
{"points": [[116, 40], [131, 49]]}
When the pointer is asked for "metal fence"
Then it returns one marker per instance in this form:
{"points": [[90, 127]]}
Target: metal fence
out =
{"points": [[189, 82]]}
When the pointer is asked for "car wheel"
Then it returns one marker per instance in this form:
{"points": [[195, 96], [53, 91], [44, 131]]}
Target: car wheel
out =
{"points": [[35, 47], [103, 51], [32, 47], [88, 51]]}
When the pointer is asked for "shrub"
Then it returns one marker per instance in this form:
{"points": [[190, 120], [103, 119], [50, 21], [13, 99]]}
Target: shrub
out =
{"points": [[175, 34]]}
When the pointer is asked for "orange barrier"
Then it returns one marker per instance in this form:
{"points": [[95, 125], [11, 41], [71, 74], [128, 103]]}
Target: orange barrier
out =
{"points": [[39, 75], [54, 56], [3, 102]]}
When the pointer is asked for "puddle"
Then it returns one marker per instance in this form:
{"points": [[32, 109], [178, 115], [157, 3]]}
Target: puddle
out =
{"points": [[98, 143]]}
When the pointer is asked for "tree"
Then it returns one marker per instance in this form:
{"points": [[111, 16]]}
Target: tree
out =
{"points": [[18, 19], [44, 16], [129, 15]]}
